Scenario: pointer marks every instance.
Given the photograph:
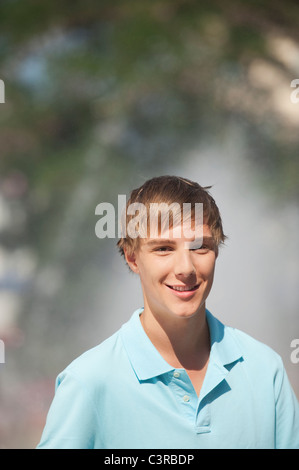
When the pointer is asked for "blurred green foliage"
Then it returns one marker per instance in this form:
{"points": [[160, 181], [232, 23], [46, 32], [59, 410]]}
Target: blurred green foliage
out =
{"points": [[102, 94]]}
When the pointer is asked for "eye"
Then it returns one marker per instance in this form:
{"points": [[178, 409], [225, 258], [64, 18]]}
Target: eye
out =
{"points": [[163, 249], [202, 249]]}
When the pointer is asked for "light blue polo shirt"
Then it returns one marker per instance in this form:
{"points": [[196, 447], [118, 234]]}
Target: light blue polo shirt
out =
{"points": [[123, 395]]}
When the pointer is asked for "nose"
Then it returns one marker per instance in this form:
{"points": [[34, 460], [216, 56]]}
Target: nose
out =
{"points": [[183, 267]]}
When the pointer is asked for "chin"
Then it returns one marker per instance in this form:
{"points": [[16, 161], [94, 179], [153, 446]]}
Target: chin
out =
{"points": [[187, 313]]}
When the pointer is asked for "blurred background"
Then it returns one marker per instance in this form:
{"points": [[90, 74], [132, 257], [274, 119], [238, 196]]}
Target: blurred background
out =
{"points": [[100, 96]]}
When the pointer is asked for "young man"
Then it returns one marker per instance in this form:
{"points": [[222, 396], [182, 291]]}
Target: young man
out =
{"points": [[173, 376]]}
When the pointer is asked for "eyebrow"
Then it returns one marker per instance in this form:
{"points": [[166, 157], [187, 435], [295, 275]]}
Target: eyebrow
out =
{"points": [[159, 241], [197, 243]]}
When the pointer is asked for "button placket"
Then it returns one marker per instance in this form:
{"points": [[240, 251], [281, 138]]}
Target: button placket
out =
{"points": [[185, 393]]}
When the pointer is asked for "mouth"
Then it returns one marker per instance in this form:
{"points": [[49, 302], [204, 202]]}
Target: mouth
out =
{"points": [[184, 288]]}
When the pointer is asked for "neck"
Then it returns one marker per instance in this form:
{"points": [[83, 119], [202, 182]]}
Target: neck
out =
{"points": [[182, 342]]}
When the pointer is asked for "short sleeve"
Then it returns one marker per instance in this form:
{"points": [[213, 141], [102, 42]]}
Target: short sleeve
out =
{"points": [[287, 413], [72, 418]]}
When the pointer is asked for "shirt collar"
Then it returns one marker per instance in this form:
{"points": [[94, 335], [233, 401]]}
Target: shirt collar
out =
{"points": [[224, 348], [147, 362]]}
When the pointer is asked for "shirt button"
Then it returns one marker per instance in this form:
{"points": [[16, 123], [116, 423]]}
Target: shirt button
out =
{"points": [[176, 374], [186, 398]]}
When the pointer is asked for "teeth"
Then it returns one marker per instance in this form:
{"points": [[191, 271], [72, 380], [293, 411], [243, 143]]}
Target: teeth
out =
{"points": [[183, 288]]}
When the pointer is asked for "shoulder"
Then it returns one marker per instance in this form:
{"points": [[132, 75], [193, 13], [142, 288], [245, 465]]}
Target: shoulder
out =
{"points": [[93, 366], [255, 352], [234, 343], [104, 366], [261, 366]]}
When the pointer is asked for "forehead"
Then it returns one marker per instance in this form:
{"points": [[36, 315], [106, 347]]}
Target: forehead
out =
{"points": [[187, 231], [180, 233]]}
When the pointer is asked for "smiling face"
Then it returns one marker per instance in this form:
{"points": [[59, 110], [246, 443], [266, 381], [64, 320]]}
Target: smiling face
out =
{"points": [[176, 273]]}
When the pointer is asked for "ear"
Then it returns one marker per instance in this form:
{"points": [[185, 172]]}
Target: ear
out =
{"points": [[131, 260]]}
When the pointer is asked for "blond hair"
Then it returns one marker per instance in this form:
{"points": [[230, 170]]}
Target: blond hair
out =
{"points": [[170, 190]]}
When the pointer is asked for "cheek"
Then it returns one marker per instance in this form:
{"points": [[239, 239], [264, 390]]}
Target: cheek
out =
{"points": [[147, 273], [154, 273], [207, 267]]}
